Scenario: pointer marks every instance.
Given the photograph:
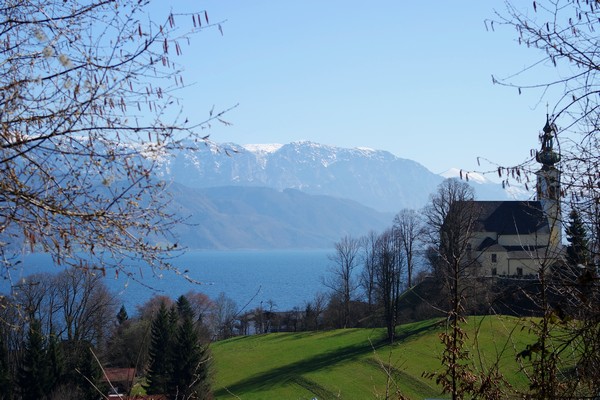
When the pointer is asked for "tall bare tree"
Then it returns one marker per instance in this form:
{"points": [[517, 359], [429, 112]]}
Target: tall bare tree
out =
{"points": [[407, 224], [367, 275], [223, 316], [451, 215], [85, 305], [87, 109], [74, 305], [342, 279], [313, 311], [389, 267]]}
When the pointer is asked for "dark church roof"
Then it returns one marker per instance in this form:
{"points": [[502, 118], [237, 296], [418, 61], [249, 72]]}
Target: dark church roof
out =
{"points": [[511, 217], [489, 244]]}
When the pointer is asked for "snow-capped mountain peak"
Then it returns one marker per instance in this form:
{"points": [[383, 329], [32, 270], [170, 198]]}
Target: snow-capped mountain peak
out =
{"points": [[263, 148], [465, 175]]}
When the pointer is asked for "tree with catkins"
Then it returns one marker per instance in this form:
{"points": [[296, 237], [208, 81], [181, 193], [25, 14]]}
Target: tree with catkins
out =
{"points": [[564, 34], [87, 108]]}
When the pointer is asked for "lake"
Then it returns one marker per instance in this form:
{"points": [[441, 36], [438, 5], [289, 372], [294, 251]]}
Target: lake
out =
{"points": [[287, 277]]}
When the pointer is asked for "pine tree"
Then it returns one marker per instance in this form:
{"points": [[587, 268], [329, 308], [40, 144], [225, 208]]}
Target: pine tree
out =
{"points": [[179, 362], [160, 353], [89, 372], [122, 315], [191, 363], [173, 321], [34, 372], [184, 308], [55, 361], [578, 248]]}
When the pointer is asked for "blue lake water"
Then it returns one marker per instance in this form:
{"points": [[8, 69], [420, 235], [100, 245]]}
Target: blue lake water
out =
{"points": [[287, 277]]}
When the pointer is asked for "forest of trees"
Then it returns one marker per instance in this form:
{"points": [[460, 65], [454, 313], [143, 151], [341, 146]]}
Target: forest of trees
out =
{"points": [[60, 331]]}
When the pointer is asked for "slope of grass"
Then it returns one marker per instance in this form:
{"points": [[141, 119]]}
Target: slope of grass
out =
{"points": [[356, 363]]}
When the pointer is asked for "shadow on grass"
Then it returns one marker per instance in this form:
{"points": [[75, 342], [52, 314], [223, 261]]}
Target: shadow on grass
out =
{"points": [[401, 378], [290, 372], [413, 331]]}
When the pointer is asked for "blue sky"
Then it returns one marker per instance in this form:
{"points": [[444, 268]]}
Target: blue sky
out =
{"points": [[412, 78]]}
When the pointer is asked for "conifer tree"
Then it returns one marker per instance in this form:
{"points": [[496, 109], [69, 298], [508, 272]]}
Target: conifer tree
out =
{"points": [[81, 370], [578, 248], [89, 372], [34, 372], [191, 363], [179, 363], [160, 353], [184, 308], [173, 320], [55, 361], [122, 315]]}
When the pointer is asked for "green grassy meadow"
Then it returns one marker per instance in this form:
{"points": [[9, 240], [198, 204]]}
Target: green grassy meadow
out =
{"points": [[352, 363]]}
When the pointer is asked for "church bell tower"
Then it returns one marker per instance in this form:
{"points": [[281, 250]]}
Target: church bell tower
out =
{"points": [[548, 181]]}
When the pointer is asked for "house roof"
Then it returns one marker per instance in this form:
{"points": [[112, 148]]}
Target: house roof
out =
{"points": [[511, 217], [119, 375], [489, 244]]}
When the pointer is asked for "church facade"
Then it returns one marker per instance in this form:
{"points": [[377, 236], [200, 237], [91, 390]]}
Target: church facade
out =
{"points": [[516, 238]]}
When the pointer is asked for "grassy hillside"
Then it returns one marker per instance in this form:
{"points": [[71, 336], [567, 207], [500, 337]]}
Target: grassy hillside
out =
{"points": [[352, 363]]}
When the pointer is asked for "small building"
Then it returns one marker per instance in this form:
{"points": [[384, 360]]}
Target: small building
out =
{"points": [[121, 379]]}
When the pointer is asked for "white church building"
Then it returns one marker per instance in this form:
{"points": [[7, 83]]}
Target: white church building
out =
{"points": [[516, 238]]}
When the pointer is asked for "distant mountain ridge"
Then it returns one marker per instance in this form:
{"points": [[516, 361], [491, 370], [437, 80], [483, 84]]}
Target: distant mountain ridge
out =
{"points": [[375, 178], [230, 217]]}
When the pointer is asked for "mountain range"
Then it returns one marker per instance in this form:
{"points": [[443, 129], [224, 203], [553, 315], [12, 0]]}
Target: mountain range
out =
{"points": [[375, 178], [297, 195]]}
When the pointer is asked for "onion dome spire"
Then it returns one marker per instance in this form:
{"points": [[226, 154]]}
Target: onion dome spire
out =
{"points": [[547, 156]]}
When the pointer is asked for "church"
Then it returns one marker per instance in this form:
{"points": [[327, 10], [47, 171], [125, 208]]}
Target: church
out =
{"points": [[516, 238]]}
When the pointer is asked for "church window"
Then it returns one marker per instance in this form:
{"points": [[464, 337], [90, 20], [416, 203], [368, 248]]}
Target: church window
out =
{"points": [[519, 271], [494, 257]]}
